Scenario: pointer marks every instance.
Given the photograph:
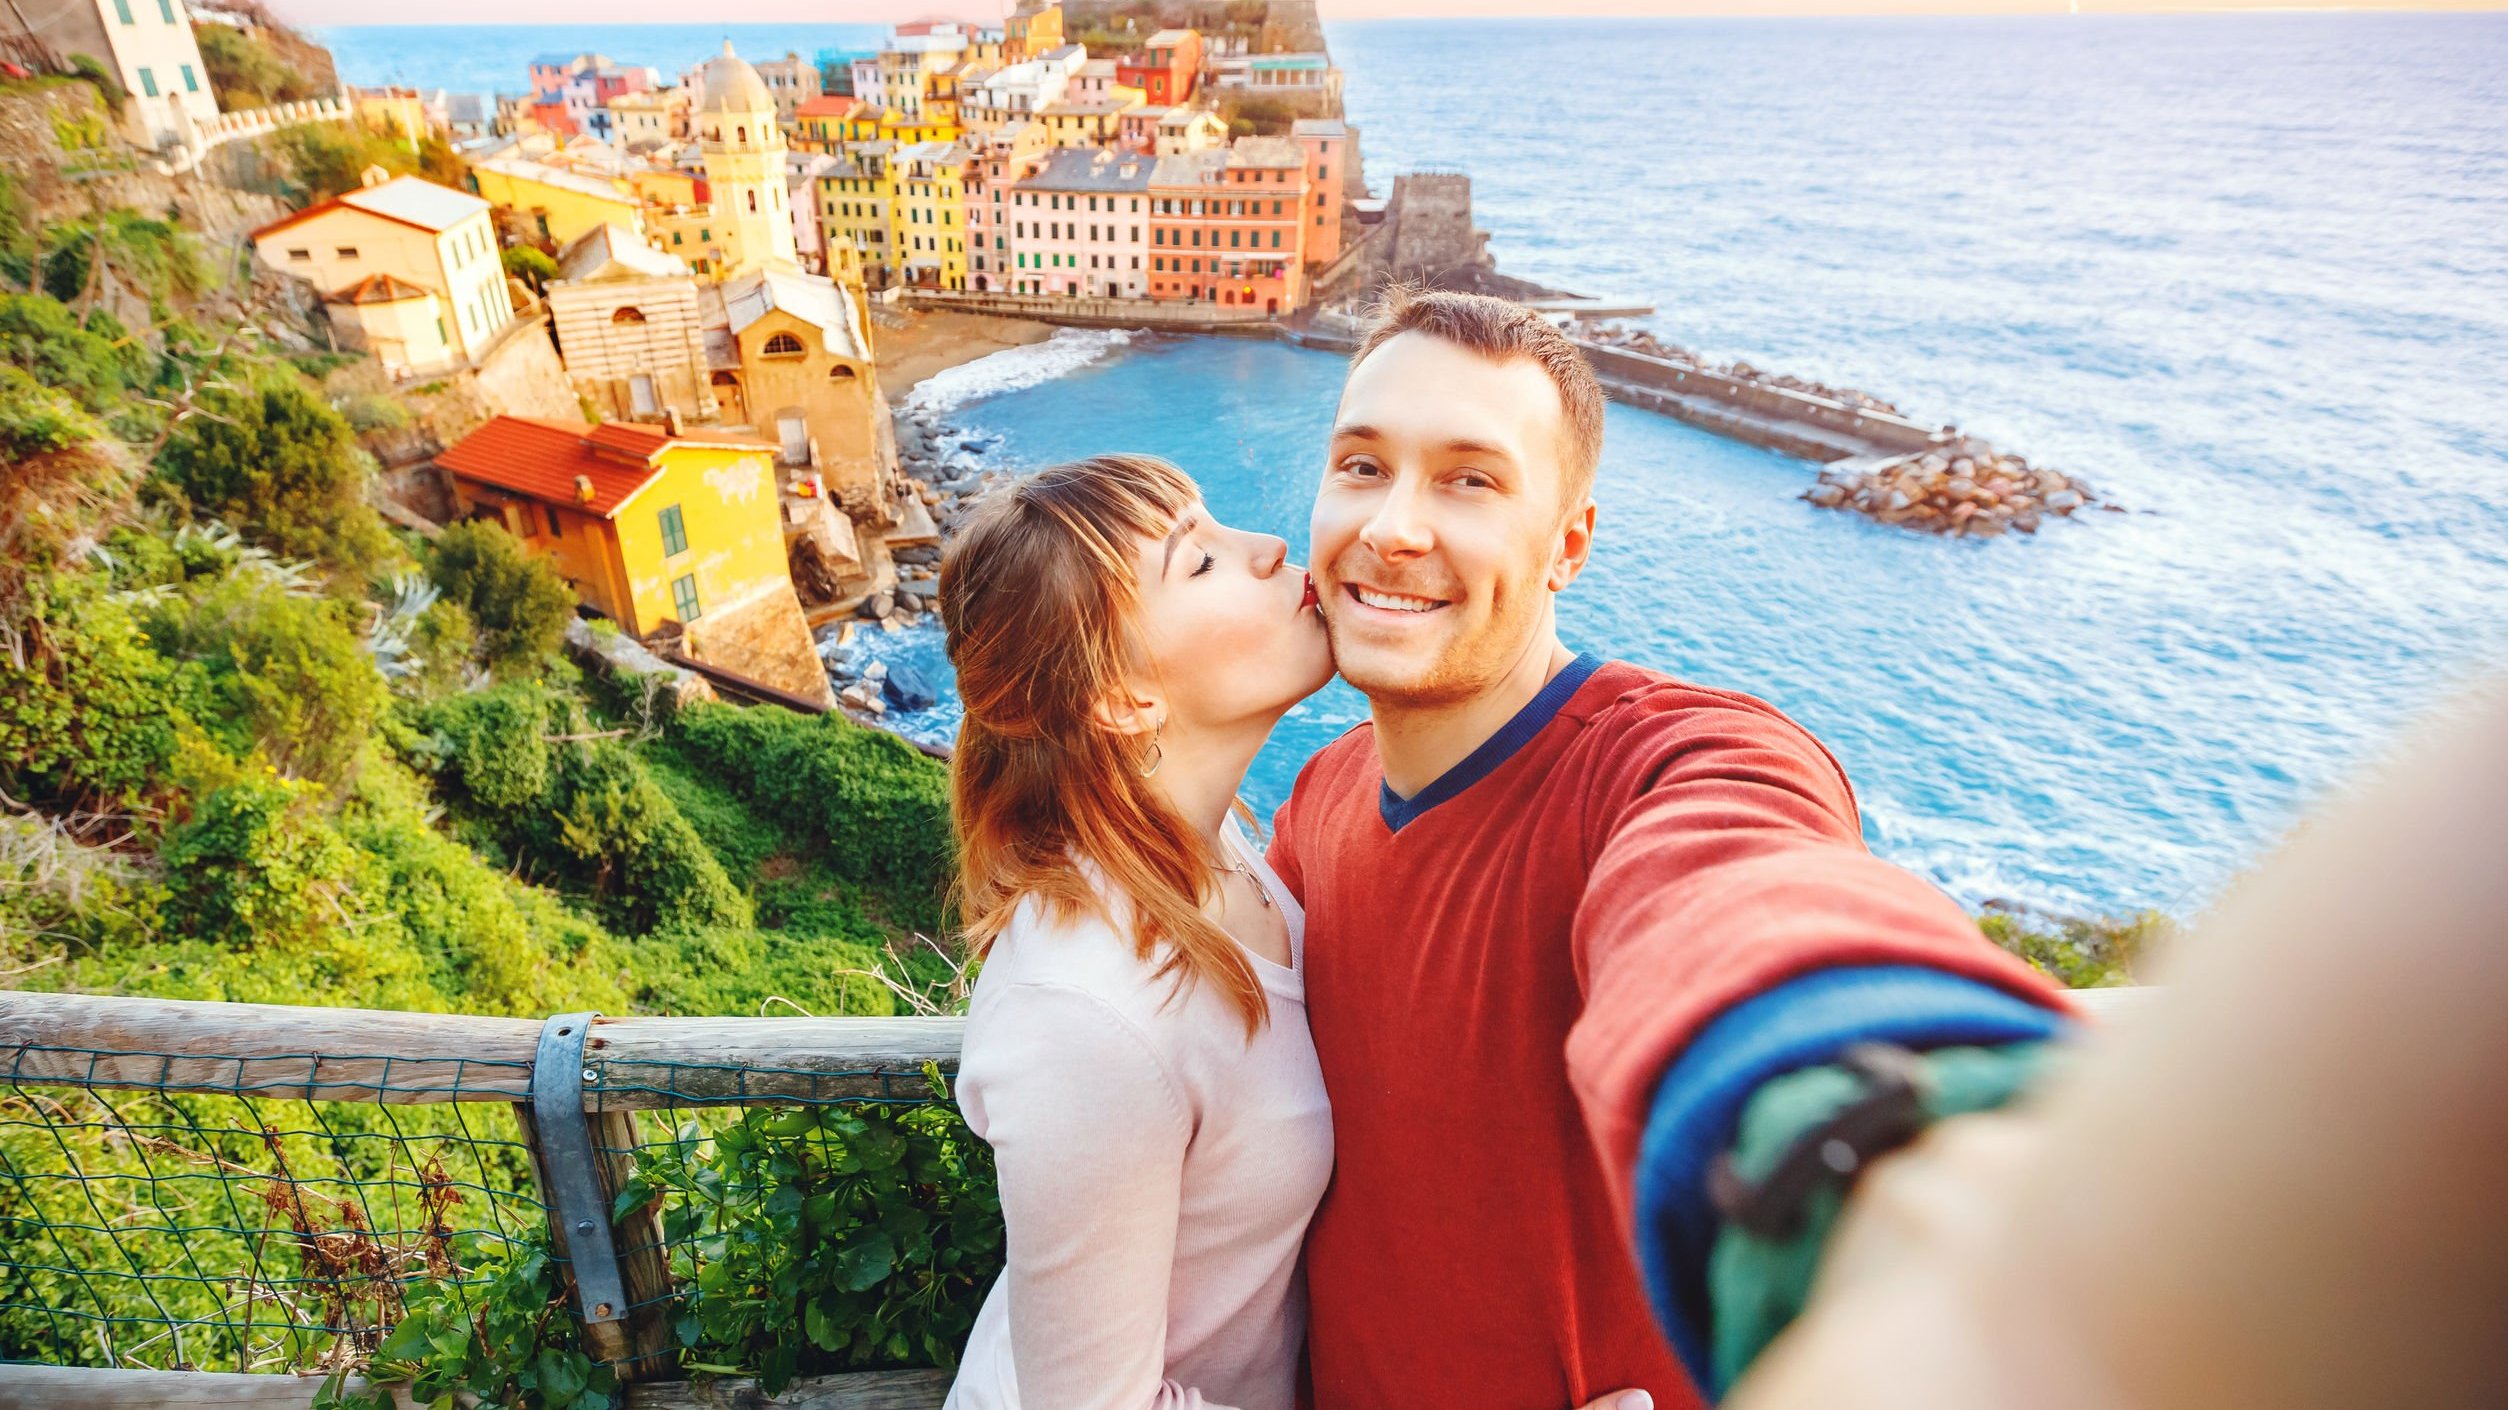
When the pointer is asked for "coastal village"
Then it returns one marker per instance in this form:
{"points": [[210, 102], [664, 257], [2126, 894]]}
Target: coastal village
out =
{"points": [[639, 319]]}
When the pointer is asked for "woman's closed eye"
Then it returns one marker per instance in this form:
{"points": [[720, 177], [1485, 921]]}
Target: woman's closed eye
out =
{"points": [[1207, 562]]}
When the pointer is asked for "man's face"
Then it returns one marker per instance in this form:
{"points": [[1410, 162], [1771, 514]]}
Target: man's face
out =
{"points": [[1438, 533]]}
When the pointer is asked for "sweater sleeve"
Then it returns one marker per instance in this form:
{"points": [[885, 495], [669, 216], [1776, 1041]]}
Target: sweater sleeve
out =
{"points": [[1089, 1133], [1728, 859]]}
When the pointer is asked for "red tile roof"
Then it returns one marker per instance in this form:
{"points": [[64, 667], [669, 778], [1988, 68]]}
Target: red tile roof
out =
{"points": [[826, 105], [540, 459]]}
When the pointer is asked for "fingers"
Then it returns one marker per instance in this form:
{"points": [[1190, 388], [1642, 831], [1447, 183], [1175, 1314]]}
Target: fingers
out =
{"points": [[1621, 1400]]}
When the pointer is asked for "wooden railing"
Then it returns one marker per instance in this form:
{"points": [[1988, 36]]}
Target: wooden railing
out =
{"points": [[604, 1070]]}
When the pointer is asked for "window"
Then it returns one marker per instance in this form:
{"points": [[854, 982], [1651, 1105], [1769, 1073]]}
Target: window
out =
{"points": [[684, 596], [549, 511], [122, 11], [147, 83], [705, 236], [783, 345], [674, 533], [753, 203], [299, 256], [1275, 239], [165, 10], [191, 81]]}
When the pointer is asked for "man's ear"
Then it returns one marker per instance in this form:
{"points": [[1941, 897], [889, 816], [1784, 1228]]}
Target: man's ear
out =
{"points": [[1575, 545], [1128, 710]]}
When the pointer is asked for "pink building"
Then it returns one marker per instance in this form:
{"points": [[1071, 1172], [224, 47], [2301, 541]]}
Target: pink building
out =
{"points": [[991, 184], [1079, 225], [1330, 153]]}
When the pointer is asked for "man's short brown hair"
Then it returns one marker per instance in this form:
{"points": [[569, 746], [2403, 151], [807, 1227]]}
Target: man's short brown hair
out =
{"points": [[1503, 331]]}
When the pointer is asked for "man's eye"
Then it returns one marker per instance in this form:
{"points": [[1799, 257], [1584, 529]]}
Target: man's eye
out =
{"points": [[1207, 561], [1359, 467]]}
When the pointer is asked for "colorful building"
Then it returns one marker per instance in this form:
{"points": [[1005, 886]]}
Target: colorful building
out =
{"points": [[1080, 225], [398, 113], [656, 529], [1182, 130], [1165, 69], [927, 231], [853, 201], [792, 80], [367, 250], [1077, 123], [650, 117], [1227, 226], [1330, 154], [148, 45], [1002, 160], [1032, 29], [743, 152], [560, 202]]}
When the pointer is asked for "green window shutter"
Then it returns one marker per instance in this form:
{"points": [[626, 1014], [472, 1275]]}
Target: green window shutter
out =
{"points": [[122, 11], [166, 8], [674, 532], [148, 83], [190, 83], [684, 596]]}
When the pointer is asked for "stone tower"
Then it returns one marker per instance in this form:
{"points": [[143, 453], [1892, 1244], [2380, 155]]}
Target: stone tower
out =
{"points": [[743, 151]]}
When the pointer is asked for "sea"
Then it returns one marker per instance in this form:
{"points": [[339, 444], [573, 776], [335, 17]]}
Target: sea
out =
{"points": [[2246, 274]]}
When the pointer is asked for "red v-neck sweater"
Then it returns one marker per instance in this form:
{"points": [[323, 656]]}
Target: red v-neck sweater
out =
{"points": [[1498, 973]]}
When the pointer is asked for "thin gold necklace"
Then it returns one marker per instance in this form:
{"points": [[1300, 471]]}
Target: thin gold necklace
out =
{"points": [[1261, 893]]}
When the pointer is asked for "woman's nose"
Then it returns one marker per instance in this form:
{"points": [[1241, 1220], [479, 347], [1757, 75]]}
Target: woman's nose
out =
{"points": [[1270, 551]]}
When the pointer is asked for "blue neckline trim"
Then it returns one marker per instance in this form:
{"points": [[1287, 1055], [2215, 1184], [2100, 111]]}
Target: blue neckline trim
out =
{"points": [[1493, 751]]}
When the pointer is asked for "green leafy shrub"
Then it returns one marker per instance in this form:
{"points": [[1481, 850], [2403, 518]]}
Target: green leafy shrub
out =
{"points": [[815, 1239], [282, 673], [278, 462], [644, 864], [497, 744], [48, 341], [97, 72], [256, 864], [530, 266], [245, 72], [87, 719], [516, 601], [2078, 952], [36, 420], [879, 808], [505, 1340], [371, 411]]}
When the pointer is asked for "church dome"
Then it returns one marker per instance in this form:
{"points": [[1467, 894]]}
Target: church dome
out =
{"points": [[731, 86]]}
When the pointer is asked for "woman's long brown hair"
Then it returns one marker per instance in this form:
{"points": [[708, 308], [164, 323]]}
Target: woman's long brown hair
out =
{"points": [[1040, 601]]}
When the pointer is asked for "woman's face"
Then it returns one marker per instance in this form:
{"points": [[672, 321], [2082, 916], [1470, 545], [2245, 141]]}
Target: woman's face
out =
{"points": [[1229, 624]]}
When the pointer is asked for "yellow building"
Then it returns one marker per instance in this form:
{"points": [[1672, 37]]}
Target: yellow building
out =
{"points": [[690, 232], [418, 236], [743, 150], [398, 113], [1031, 30], [656, 529], [562, 203], [927, 227], [854, 199], [1091, 123]]}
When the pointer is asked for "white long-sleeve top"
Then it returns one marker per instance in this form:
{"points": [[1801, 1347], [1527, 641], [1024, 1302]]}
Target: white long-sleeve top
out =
{"points": [[1157, 1173]]}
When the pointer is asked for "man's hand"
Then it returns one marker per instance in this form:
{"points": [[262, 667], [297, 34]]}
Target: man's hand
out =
{"points": [[1621, 1400]]}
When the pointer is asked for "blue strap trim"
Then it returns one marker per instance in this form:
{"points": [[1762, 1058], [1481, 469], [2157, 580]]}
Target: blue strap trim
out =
{"points": [[1804, 1022], [1493, 751]]}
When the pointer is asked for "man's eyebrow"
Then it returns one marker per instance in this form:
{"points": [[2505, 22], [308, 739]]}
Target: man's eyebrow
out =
{"points": [[1174, 534], [1357, 432], [1471, 447]]}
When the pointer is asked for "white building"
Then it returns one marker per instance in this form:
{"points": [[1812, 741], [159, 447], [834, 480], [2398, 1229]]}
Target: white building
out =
{"points": [[149, 46]]}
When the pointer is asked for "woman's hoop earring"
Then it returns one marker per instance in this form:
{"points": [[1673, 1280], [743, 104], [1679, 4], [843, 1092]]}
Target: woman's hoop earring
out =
{"points": [[1157, 755]]}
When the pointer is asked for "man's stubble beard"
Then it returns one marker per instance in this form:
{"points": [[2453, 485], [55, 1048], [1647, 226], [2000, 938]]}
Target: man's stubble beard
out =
{"points": [[1467, 668]]}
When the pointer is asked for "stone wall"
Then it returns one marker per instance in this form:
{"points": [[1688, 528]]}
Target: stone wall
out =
{"points": [[766, 639], [1844, 430], [1431, 218]]}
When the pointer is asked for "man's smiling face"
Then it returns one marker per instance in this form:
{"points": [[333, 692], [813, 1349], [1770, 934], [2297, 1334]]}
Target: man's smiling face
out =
{"points": [[1438, 533]]}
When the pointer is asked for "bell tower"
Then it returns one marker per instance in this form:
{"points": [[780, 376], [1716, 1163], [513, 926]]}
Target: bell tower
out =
{"points": [[743, 150]]}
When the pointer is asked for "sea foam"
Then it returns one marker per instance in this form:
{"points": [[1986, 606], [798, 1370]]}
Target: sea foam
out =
{"points": [[1013, 369]]}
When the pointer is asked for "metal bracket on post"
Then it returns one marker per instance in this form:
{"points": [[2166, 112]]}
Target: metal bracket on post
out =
{"points": [[572, 1166]]}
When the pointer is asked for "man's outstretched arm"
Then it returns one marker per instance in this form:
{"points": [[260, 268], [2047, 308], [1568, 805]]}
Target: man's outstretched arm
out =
{"points": [[1735, 930]]}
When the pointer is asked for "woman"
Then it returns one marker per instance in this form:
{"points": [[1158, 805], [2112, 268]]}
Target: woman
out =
{"points": [[1137, 1050]]}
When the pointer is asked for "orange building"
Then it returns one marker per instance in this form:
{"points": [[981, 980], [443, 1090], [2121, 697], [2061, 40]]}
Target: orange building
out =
{"points": [[1330, 152], [1227, 225], [1166, 68]]}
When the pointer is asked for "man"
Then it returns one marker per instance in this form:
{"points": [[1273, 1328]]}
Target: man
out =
{"points": [[1575, 925]]}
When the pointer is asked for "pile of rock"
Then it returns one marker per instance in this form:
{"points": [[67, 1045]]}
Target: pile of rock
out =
{"points": [[924, 446], [1638, 340], [875, 687], [1965, 488]]}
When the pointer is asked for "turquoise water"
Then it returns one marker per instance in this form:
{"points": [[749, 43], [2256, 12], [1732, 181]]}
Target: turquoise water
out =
{"points": [[2247, 274]]}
